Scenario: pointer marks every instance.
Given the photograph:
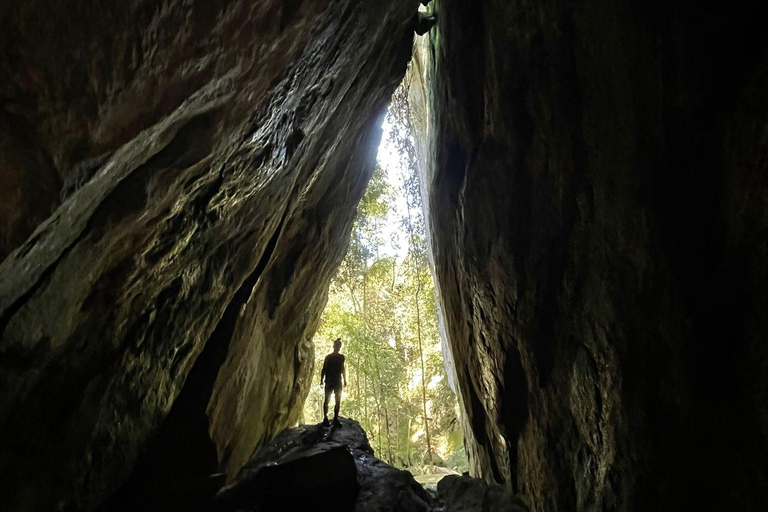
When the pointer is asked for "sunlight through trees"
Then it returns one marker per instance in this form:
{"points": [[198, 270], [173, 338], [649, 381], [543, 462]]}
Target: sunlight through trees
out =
{"points": [[382, 305]]}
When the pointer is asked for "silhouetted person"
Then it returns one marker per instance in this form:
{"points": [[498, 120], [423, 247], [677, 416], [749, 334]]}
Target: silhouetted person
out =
{"points": [[334, 374]]}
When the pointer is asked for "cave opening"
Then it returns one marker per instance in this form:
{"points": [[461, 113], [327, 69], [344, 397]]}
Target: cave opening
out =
{"points": [[179, 183], [382, 304]]}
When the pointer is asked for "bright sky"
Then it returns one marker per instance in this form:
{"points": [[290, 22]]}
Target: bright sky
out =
{"points": [[395, 238]]}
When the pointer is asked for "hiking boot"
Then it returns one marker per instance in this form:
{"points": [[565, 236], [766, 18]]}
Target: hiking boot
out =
{"points": [[336, 422], [325, 422]]}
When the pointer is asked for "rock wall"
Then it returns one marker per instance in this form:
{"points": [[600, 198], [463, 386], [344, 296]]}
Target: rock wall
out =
{"points": [[178, 178], [178, 184], [419, 105], [597, 198]]}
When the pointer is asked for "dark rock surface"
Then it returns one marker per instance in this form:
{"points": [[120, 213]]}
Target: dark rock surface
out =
{"points": [[597, 189], [467, 494], [202, 160], [179, 178], [334, 469], [325, 469], [320, 480]]}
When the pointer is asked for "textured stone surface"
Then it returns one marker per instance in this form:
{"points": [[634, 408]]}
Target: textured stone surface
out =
{"points": [[178, 183], [467, 494], [326, 469], [334, 469], [202, 160], [597, 195]]}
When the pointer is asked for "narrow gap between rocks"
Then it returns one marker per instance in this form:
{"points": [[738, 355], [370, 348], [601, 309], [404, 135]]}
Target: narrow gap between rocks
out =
{"points": [[382, 304]]}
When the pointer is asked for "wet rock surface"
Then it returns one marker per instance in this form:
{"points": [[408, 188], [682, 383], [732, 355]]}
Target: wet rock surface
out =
{"points": [[334, 469], [595, 170], [179, 181]]}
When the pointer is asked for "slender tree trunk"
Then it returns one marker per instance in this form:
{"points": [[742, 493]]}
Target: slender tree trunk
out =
{"points": [[357, 377], [377, 394], [378, 421], [398, 427], [365, 301], [408, 443], [386, 424], [417, 276], [423, 371], [355, 306]]}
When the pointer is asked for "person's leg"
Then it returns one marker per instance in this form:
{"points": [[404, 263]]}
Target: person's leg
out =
{"points": [[325, 404], [337, 405]]}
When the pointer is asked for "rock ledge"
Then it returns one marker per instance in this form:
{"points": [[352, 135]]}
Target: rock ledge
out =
{"points": [[334, 469]]}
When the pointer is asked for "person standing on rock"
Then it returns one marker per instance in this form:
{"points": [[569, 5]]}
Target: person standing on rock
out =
{"points": [[334, 374]]}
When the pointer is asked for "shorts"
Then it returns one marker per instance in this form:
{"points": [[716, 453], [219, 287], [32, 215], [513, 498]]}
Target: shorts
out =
{"points": [[333, 388]]}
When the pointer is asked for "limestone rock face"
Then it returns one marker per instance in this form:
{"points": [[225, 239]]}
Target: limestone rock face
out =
{"points": [[597, 192], [178, 178]]}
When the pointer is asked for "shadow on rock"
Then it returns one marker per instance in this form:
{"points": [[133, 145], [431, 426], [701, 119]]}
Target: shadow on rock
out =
{"points": [[467, 494]]}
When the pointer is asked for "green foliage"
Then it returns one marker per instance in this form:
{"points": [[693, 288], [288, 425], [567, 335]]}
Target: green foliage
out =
{"points": [[384, 310]]}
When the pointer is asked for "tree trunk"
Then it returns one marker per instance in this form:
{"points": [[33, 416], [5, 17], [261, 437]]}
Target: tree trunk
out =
{"points": [[423, 371], [386, 424], [397, 422], [408, 443]]}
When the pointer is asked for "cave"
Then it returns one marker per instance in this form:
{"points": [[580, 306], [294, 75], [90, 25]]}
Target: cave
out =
{"points": [[178, 185]]}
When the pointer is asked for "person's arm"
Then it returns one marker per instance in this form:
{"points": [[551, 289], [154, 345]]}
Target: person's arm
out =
{"points": [[344, 372], [322, 372]]}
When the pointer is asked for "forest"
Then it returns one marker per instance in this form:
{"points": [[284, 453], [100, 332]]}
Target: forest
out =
{"points": [[382, 305]]}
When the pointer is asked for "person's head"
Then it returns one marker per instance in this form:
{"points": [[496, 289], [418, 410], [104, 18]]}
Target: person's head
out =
{"points": [[337, 344]]}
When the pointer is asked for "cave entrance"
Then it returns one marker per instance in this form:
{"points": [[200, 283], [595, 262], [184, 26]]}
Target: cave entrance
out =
{"points": [[382, 305]]}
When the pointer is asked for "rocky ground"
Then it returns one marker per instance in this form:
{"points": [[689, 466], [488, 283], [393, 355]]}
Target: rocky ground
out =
{"points": [[334, 469]]}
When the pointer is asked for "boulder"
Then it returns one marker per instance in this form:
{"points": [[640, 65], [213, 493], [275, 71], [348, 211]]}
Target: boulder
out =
{"points": [[312, 467]]}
